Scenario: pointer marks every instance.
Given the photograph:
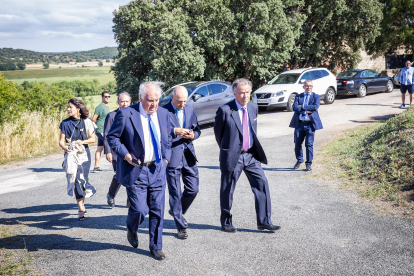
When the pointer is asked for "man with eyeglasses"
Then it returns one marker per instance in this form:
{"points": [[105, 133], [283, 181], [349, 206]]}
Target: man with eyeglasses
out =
{"points": [[406, 81], [99, 119], [305, 121]]}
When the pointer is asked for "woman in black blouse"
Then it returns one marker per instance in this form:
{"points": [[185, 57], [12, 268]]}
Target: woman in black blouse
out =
{"points": [[81, 131]]}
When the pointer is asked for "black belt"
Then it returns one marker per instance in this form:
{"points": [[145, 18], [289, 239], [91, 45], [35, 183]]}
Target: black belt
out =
{"points": [[148, 164], [304, 121]]}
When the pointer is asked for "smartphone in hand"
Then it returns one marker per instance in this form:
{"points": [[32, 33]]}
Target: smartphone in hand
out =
{"points": [[135, 162]]}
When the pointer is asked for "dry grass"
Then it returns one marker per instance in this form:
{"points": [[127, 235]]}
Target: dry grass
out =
{"points": [[31, 135]]}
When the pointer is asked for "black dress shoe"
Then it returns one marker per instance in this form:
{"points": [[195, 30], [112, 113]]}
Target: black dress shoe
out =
{"points": [[158, 254], [229, 228], [110, 200], [297, 165], [182, 234], [185, 221], [132, 238], [308, 167], [270, 227]]}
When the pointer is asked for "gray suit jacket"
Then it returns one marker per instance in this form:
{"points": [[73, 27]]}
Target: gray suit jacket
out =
{"points": [[107, 126]]}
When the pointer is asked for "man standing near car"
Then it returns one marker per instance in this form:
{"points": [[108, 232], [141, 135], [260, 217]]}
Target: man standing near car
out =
{"points": [[99, 119], [124, 100], [305, 121], [406, 82], [183, 163], [235, 129]]}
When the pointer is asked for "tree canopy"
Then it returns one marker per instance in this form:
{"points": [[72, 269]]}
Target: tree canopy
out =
{"points": [[181, 40]]}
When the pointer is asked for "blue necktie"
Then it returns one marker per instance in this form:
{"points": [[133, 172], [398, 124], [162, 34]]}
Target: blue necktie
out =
{"points": [[154, 138]]}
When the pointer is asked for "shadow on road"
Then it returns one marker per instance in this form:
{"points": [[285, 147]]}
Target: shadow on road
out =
{"points": [[39, 170], [375, 119]]}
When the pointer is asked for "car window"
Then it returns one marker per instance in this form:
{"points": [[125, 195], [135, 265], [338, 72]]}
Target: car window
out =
{"points": [[372, 74], [203, 91], [324, 73], [347, 74], [284, 79], [316, 74], [364, 74], [216, 88], [306, 76]]}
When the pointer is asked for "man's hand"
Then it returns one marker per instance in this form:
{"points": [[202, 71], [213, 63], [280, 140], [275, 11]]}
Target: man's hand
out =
{"points": [[109, 157], [188, 135], [167, 161], [179, 131], [128, 158]]}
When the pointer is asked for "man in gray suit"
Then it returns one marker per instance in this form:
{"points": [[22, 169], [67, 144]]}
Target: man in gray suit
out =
{"points": [[124, 100]]}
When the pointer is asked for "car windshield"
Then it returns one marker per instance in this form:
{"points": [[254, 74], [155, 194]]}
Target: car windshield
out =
{"points": [[347, 74], [190, 87], [284, 79]]}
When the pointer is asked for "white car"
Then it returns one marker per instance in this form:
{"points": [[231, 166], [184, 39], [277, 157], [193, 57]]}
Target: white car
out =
{"points": [[282, 89]]}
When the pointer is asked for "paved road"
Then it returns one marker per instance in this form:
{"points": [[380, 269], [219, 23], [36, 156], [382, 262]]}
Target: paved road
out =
{"points": [[324, 232]]}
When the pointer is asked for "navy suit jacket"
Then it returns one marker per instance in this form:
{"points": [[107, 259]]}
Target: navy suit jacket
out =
{"points": [[107, 126], [313, 105], [229, 135], [177, 146], [126, 136]]}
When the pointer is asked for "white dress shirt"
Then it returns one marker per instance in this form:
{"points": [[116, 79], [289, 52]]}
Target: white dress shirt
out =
{"points": [[148, 147], [239, 108]]}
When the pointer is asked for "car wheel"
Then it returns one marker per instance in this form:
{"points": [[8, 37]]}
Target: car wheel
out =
{"points": [[290, 102], [329, 96], [362, 92], [390, 87], [262, 108]]}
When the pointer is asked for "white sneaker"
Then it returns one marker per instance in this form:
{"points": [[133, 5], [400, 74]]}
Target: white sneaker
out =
{"points": [[402, 106]]}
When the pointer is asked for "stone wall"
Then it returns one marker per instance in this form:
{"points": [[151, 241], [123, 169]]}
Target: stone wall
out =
{"points": [[378, 64]]}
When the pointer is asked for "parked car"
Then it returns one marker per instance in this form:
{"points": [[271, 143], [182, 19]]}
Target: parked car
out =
{"points": [[282, 89], [205, 97], [363, 81]]}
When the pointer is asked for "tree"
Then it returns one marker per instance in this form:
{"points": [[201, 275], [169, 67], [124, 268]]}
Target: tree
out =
{"points": [[181, 40], [45, 65], [21, 66], [100, 63], [334, 32], [397, 28]]}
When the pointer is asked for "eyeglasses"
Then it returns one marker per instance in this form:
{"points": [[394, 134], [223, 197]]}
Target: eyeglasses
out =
{"points": [[308, 86], [106, 96]]}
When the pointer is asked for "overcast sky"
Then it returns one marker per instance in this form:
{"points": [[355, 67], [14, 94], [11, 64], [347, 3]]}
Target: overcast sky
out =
{"points": [[57, 25]]}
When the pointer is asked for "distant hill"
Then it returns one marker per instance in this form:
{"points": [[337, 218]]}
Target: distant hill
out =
{"points": [[27, 56]]}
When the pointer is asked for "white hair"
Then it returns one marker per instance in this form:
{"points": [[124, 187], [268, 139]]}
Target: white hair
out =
{"points": [[241, 81], [143, 87], [124, 94]]}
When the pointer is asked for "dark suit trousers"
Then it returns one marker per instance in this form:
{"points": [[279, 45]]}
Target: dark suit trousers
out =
{"points": [[304, 131], [147, 195], [115, 185], [181, 201], [258, 182]]}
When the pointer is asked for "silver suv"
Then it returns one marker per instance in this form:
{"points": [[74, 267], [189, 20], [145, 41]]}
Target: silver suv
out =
{"points": [[205, 97]]}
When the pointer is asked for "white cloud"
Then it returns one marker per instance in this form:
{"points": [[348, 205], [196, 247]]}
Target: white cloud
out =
{"points": [[50, 25]]}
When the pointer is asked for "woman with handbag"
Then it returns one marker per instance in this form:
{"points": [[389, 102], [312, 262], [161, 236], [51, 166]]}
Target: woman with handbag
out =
{"points": [[77, 132]]}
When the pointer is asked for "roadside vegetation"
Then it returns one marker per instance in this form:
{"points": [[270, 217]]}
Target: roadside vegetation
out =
{"points": [[14, 257], [377, 162]]}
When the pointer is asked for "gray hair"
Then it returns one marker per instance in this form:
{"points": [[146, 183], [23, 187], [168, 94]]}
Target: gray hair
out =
{"points": [[175, 89], [143, 87], [241, 81], [124, 94], [308, 81]]}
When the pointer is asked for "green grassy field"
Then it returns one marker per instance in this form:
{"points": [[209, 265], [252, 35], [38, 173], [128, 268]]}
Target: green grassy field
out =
{"points": [[64, 74]]}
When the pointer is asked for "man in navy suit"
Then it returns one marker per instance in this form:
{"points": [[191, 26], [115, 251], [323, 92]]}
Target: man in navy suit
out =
{"points": [[305, 121], [184, 129], [140, 136], [235, 129], [124, 100]]}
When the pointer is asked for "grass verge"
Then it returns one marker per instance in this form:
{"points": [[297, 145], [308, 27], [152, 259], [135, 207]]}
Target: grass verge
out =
{"points": [[14, 260], [376, 161]]}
